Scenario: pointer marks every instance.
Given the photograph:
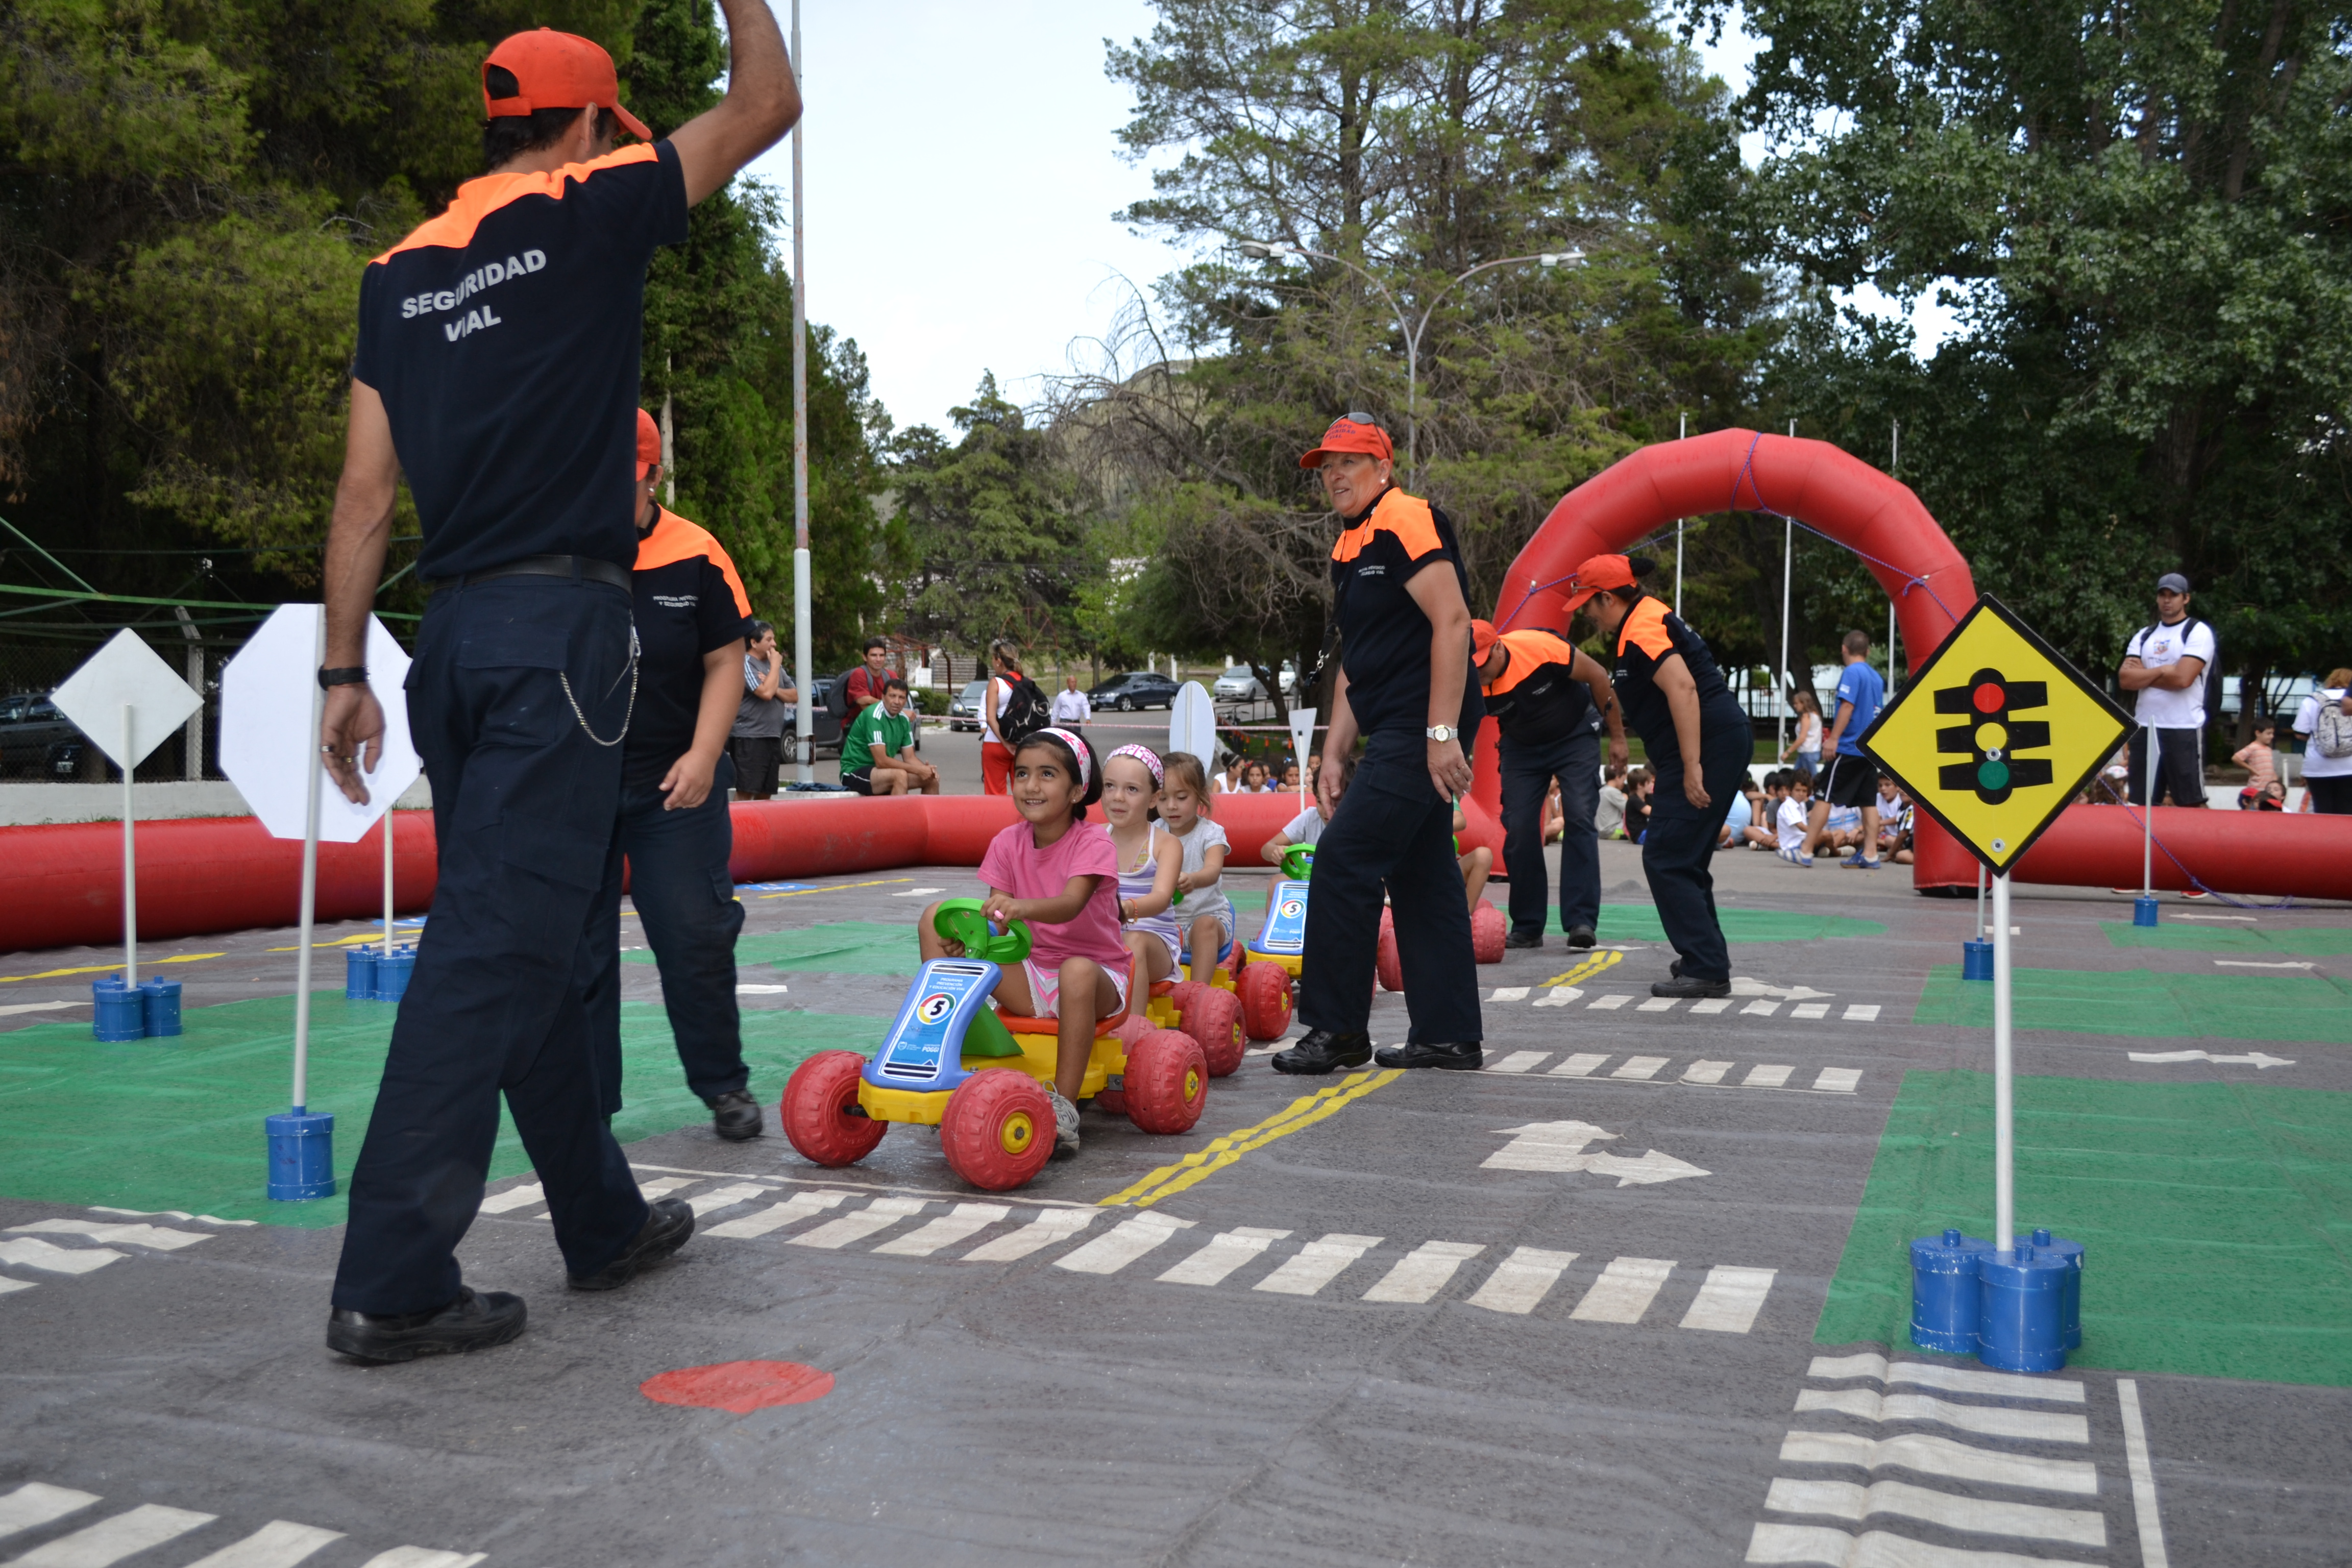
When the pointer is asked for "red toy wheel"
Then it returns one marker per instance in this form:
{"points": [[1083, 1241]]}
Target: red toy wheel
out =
{"points": [[998, 1131], [1113, 1101], [1181, 994], [1487, 929], [1215, 1020], [817, 1107], [1390, 968], [1167, 1081], [1265, 991]]}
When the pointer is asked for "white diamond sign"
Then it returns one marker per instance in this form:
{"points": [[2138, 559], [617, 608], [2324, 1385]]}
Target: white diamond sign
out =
{"points": [[268, 745], [126, 673]]}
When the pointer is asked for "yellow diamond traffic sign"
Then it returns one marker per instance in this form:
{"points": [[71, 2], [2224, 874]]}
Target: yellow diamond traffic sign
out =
{"points": [[1996, 734]]}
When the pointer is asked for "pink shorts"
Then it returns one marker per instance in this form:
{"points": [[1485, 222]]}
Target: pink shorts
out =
{"points": [[1046, 986]]}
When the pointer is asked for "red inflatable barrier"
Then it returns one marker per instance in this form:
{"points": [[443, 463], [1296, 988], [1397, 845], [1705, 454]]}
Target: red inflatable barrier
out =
{"points": [[2270, 854]]}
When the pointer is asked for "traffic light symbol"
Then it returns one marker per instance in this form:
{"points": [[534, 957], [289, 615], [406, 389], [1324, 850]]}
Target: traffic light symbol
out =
{"points": [[1991, 736]]}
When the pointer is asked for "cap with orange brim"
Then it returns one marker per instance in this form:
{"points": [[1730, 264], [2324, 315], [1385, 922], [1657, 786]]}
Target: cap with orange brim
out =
{"points": [[1351, 433], [557, 70], [648, 443], [1597, 573], [1483, 636]]}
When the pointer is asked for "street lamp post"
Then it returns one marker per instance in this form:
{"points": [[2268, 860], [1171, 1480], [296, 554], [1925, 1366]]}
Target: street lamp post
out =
{"points": [[1410, 331]]}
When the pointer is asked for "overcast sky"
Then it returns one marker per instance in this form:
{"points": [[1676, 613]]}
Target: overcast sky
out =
{"points": [[963, 165]]}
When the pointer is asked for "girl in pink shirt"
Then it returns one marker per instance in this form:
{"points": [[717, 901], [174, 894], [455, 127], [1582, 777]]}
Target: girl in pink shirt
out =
{"points": [[1059, 873]]}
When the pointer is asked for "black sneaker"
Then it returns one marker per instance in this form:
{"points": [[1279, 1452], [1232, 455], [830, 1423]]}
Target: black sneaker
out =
{"points": [[668, 1222], [735, 1116], [1324, 1052], [1581, 936], [1524, 939], [471, 1322], [1691, 985], [1465, 1056]]}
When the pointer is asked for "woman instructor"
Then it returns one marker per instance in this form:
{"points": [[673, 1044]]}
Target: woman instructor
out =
{"points": [[1406, 686], [1698, 744]]}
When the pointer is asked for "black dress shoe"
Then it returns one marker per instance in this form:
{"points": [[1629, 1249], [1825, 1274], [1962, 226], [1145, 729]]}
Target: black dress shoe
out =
{"points": [[1691, 985], [1581, 936], [667, 1224], [735, 1116], [1675, 969], [1324, 1052], [1465, 1056], [471, 1322], [1522, 939]]}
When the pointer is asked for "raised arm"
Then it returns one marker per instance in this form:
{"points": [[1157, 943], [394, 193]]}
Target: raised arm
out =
{"points": [[762, 102]]}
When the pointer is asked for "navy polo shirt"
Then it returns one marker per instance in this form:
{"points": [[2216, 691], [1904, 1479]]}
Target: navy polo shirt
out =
{"points": [[1383, 635], [689, 602]]}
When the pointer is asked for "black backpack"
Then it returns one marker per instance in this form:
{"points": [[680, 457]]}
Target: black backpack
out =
{"points": [[2212, 703], [1026, 712], [836, 700]]}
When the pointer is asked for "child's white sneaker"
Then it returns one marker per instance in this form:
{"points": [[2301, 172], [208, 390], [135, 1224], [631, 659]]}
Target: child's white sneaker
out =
{"points": [[1796, 858], [1066, 1124]]}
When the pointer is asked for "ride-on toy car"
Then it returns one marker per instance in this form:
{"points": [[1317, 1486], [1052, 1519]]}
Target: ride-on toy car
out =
{"points": [[1267, 966], [951, 1062]]}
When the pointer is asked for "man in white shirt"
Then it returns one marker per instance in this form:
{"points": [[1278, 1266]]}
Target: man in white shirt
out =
{"points": [[2326, 781], [1071, 708], [2166, 664]]}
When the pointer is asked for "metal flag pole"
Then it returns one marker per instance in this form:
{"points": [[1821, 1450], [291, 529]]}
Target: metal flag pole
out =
{"points": [[2147, 814], [1788, 564], [309, 886], [804, 723], [130, 868], [1894, 462], [1682, 434], [387, 879], [2004, 1174]]}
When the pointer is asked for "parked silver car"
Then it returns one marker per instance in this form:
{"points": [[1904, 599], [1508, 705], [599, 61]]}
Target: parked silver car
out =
{"points": [[963, 713]]}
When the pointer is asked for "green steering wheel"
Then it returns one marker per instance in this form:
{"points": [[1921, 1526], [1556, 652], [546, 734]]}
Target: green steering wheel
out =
{"points": [[1298, 861], [959, 920]]}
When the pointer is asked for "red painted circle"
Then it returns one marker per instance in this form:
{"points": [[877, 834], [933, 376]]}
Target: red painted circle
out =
{"points": [[1988, 698], [741, 1386]]}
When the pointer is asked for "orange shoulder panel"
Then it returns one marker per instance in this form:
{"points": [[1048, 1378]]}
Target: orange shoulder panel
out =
{"points": [[674, 540], [477, 199], [1645, 628], [1530, 651], [1407, 517]]}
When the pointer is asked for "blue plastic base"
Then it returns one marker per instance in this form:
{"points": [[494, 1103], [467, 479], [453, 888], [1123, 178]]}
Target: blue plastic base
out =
{"points": [[2143, 910], [372, 975], [359, 973], [2069, 1310], [118, 1012], [159, 1003], [1976, 959], [393, 973], [1945, 1299], [2023, 1326], [301, 1155]]}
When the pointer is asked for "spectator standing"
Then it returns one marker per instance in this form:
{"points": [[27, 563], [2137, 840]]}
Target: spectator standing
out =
{"points": [[1806, 747], [1071, 711], [761, 717], [1011, 710], [2166, 664], [1852, 778], [2325, 723], [863, 688]]}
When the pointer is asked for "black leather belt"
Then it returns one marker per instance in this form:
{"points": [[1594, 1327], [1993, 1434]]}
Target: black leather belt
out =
{"points": [[544, 566]]}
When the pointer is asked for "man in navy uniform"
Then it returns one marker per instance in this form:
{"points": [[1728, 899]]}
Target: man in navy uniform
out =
{"points": [[497, 371]]}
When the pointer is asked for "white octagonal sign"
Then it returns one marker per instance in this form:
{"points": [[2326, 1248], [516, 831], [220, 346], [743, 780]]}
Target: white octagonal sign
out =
{"points": [[126, 673], [267, 747]]}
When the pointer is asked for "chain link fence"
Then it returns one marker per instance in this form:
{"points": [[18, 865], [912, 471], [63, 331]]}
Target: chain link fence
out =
{"points": [[39, 745]]}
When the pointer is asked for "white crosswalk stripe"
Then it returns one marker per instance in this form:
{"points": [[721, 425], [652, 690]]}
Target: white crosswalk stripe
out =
{"points": [[719, 1198], [791, 1211], [1700, 1074], [879, 1215], [1125, 1242], [1517, 1061], [1048, 1229], [1625, 1290], [1316, 1264], [1727, 1303], [280, 1543], [965, 1220], [1521, 1281], [1987, 1420], [110, 1541], [1423, 1272], [154, 1235], [1224, 1253], [32, 1253]]}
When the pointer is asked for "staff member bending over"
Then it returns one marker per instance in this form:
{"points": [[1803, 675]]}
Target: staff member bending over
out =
{"points": [[1549, 701], [675, 830], [1405, 684], [496, 370], [1699, 745]]}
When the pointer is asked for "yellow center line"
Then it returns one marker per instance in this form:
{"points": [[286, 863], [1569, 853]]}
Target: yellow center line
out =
{"points": [[1586, 970], [1202, 1163], [837, 888], [366, 939], [103, 968]]}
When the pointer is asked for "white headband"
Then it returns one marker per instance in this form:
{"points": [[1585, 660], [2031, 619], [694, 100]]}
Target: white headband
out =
{"points": [[1078, 749]]}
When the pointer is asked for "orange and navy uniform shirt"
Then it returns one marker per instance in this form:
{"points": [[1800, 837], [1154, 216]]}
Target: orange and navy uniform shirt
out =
{"points": [[1383, 635], [1538, 699], [689, 603], [503, 337], [1651, 635]]}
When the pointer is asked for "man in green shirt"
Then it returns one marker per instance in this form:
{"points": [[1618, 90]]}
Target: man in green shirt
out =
{"points": [[881, 745]]}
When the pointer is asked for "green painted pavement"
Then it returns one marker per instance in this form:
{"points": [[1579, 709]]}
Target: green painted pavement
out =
{"points": [[1639, 922], [839, 947], [183, 1120], [2267, 1008], [2300, 941], [2216, 1218]]}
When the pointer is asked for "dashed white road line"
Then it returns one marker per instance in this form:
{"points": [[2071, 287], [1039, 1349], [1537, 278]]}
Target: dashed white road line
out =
{"points": [[1625, 1290], [791, 1211], [1318, 1264], [110, 1541], [1225, 1252], [2152, 1554], [1521, 1281], [1766, 1077], [879, 1215], [1641, 1068], [964, 1220], [1422, 1273], [1730, 1299], [1123, 1244]]}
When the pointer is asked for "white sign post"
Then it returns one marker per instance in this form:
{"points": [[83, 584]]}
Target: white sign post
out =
{"points": [[128, 702], [1302, 742]]}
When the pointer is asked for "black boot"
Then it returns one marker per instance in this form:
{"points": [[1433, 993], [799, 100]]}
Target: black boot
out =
{"points": [[1463, 1057], [1524, 939], [1581, 936], [471, 1322], [668, 1222], [1324, 1052], [735, 1116], [1691, 985]]}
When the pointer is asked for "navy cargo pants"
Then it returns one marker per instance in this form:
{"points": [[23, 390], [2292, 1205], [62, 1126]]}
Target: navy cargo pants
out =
{"points": [[1528, 771], [1678, 851], [524, 803], [687, 910], [1392, 830]]}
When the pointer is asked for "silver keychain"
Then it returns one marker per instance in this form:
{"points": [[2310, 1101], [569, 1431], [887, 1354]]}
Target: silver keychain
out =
{"points": [[627, 715]]}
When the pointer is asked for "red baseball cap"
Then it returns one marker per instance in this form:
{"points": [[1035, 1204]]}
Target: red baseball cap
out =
{"points": [[557, 70], [1351, 433], [1483, 636], [648, 443], [1598, 573]]}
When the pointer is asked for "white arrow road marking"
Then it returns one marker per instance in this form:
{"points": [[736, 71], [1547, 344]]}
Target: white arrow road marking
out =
{"points": [[2251, 1059], [1560, 1146], [2257, 963], [33, 1254], [1743, 987]]}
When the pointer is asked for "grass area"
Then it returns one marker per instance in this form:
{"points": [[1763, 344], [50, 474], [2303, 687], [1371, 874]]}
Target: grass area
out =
{"points": [[2214, 1217], [177, 1124], [1639, 922], [2266, 1008], [2302, 941]]}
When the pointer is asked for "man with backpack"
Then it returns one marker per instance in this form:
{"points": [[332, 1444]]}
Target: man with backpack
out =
{"points": [[2324, 723], [2170, 665], [1013, 709]]}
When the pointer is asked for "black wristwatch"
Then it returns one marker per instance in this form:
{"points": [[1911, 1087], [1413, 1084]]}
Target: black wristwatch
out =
{"points": [[343, 674]]}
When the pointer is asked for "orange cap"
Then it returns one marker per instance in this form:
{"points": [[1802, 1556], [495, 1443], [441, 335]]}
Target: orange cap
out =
{"points": [[1482, 640], [557, 70], [1597, 573], [1350, 434], [648, 443]]}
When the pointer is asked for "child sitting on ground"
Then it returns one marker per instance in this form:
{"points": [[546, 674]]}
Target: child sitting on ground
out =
{"points": [[1891, 807], [1761, 832], [1308, 826], [1609, 816], [1474, 863], [1149, 861], [1204, 916], [1737, 819], [1059, 873], [1638, 788], [1796, 809]]}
